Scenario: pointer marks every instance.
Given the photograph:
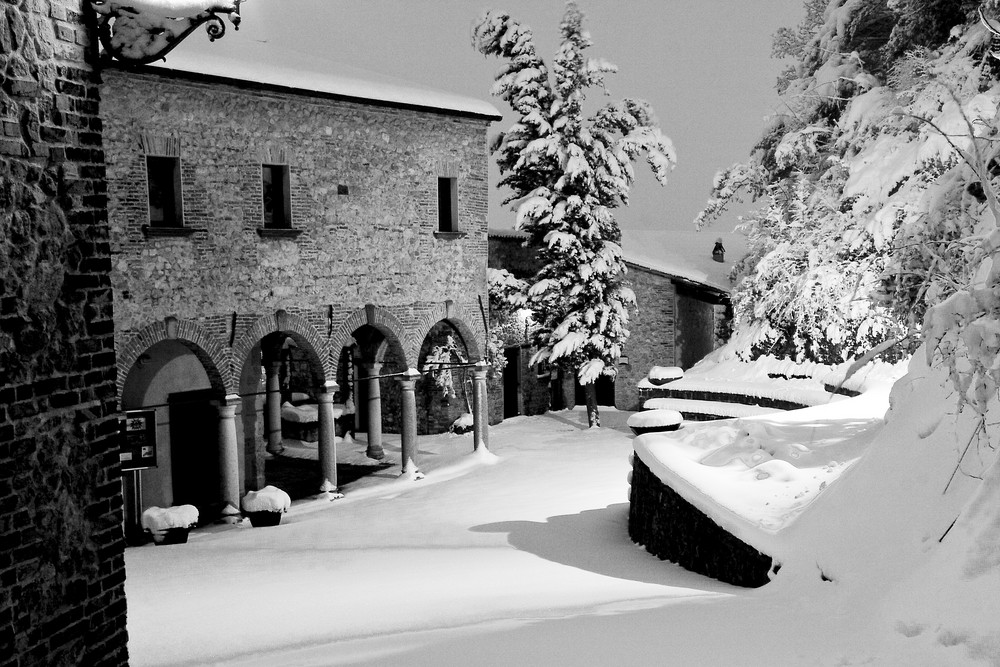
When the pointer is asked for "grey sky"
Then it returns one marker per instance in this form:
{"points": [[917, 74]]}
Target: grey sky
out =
{"points": [[704, 65]]}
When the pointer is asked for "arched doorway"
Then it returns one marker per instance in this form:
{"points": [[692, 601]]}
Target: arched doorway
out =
{"points": [[445, 392], [172, 379]]}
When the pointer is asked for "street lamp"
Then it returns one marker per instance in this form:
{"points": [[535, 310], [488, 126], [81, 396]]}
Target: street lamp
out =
{"points": [[138, 32]]}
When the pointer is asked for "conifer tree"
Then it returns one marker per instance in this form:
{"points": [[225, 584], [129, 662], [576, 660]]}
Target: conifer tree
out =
{"points": [[566, 173]]}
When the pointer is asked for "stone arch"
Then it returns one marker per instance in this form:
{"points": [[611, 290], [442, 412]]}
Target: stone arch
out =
{"points": [[380, 318], [299, 330], [209, 350], [459, 316]]}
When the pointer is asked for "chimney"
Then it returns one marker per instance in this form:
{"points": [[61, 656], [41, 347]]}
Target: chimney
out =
{"points": [[719, 252]]}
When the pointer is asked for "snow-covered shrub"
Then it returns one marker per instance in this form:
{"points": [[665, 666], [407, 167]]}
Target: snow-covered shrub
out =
{"points": [[268, 499], [463, 424]]}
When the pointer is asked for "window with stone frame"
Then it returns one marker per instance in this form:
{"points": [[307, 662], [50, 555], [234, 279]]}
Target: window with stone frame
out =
{"points": [[277, 197], [447, 204], [163, 179]]}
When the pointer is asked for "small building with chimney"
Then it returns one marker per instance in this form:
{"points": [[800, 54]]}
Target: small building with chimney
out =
{"points": [[682, 287]]}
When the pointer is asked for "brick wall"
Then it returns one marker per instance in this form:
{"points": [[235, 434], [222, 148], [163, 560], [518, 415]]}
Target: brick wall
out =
{"points": [[61, 551], [363, 198]]}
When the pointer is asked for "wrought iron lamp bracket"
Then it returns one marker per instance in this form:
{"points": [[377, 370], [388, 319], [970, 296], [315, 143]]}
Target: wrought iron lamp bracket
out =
{"points": [[134, 37]]}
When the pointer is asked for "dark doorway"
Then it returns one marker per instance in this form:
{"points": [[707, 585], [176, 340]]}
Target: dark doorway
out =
{"points": [[605, 392], [512, 382], [194, 451]]}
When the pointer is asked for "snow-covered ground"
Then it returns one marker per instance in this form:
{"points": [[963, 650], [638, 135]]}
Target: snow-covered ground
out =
{"points": [[524, 559]]}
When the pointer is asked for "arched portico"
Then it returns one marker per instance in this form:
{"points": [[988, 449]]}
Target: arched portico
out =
{"points": [[174, 371]]}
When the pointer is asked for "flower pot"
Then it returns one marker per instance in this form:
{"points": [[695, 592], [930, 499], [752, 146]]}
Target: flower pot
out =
{"points": [[172, 536], [263, 518]]}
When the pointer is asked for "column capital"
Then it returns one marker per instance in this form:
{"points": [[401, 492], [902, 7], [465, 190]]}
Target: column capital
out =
{"points": [[373, 367], [327, 389], [409, 376], [480, 369]]}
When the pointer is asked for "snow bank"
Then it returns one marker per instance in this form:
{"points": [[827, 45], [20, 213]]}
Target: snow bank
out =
{"points": [[662, 374], [299, 414], [717, 408], [268, 499], [654, 418], [158, 519]]}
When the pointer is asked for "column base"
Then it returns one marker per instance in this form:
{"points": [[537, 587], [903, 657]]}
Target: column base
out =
{"points": [[375, 452]]}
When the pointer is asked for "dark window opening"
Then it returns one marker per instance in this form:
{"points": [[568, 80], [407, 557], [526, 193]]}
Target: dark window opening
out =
{"points": [[277, 196], [447, 204], [163, 176]]}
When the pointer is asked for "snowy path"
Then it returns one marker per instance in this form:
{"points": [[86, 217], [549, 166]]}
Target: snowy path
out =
{"points": [[526, 561]]}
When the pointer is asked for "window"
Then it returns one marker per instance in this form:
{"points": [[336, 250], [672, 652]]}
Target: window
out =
{"points": [[163, 177], [277, 196], [447, 204]]}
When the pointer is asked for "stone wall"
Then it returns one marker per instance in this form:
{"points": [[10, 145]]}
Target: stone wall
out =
{"points": [[363, 180], [62, 569], [651, 342], [673, 529]]}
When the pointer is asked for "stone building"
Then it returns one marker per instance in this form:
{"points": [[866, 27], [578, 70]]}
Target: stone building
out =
{"points": [[682, 294], [280, 234], [62, 569]]}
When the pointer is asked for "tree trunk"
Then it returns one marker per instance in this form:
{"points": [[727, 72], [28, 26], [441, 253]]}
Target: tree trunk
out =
{"points": [[593, 416]]}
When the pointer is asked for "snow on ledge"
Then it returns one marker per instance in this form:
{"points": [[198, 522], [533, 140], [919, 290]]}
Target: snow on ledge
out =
{"points": [[718, 408], [756, 476]]}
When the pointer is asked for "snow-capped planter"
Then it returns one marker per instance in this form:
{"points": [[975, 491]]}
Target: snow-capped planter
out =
{"points": [[170, 525], [661, 375], [655, 421], [463, 424], [265, 507]]}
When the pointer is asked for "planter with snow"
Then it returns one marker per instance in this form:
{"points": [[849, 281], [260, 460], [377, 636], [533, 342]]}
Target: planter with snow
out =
{"points": [[655, 421], [265, 507], [661, 375], [170, 525]]}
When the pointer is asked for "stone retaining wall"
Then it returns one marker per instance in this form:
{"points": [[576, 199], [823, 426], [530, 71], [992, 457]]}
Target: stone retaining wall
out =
{"points": [[671, 528]]}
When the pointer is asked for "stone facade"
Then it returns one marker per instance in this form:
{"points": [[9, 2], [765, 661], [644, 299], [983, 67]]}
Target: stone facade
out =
{"points": [[364, 267], [62, 569]]}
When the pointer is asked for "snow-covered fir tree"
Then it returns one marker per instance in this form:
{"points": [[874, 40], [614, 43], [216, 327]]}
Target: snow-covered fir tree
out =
{"points": [[872, 177], [566, 172]]}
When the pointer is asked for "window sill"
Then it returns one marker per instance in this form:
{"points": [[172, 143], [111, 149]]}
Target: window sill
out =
{"points": [[276, 233], [150, 231], [450, 236]]}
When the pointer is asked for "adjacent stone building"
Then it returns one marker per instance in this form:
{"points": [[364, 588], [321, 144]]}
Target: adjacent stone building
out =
{"points": [[280, 234], [62, 571], [683, 308]]}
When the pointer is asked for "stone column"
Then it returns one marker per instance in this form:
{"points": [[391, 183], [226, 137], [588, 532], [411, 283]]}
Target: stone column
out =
{"points": [[373, 397], [272, 408], [480, 408], [229, 461], [408, 398], [327, 438]]}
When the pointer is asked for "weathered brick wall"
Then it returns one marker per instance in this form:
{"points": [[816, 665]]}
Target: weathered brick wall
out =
{"points": [[651, 342], [373, 245], [61, 552]]}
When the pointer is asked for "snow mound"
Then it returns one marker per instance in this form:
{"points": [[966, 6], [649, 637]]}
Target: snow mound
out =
{"points": [[662, 374], [268, 499], [158, 519], [654, 418]]}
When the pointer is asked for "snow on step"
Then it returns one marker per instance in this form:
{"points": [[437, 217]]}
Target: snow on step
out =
{"points": [[719, 408], [789, 390]]}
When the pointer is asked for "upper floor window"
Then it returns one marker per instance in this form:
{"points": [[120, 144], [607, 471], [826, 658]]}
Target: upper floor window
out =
{"points": [[277, 196], [163, 178], [447, 204]]}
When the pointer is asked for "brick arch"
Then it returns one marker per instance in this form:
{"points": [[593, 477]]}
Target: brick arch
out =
{"points": [[466, 320], [300, 331], [211, 351], [380, 318]]}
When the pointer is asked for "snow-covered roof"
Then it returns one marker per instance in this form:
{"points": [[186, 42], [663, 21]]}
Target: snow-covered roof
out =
{"points": [[260, 63], [684, 254], [681, 254]]}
